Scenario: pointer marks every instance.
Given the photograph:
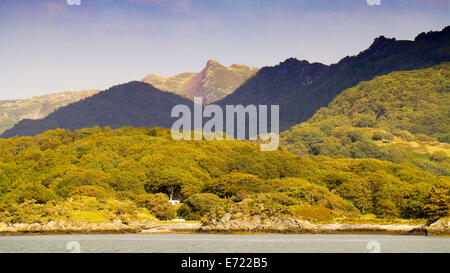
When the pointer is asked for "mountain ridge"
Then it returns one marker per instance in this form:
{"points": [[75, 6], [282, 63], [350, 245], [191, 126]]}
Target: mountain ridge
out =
{"points": [[301, 88], [212, 83]]}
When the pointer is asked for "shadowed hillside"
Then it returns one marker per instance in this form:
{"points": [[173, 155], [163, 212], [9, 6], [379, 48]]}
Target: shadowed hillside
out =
{"points": [[301, 88], [13, 111], [131, 104]]}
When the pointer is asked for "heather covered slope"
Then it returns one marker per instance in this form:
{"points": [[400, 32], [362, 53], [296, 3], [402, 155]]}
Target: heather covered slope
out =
{"points": [[301, 88], [132, 104], [13, 111], [403, 116], [214, 82]]}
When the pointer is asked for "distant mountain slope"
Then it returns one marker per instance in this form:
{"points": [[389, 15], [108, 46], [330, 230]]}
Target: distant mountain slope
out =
{"points": [[12, 111], [301, 88], [396, 117], [214, 82], [131, 104]]}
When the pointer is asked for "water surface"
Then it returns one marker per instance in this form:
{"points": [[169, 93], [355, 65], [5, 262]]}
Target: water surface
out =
{"points": [[232, 243]]}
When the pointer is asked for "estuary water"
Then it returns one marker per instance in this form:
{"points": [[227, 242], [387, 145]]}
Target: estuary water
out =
{"points": [[232, 243]]}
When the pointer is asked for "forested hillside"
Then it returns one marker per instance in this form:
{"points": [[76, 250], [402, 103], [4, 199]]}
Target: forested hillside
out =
{"points": [[401, 117], [103, 174]]}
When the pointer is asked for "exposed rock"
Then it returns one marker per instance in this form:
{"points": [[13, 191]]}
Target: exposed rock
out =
{"points": [[75, 227], [227, 224], [173, 228], [214, 82], [236, 223], [440, 227]]}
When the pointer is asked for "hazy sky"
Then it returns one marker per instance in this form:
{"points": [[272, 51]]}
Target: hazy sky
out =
{"points": [[48, 46]]}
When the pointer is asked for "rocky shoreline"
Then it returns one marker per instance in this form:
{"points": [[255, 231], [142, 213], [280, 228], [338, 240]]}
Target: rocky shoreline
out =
{"points": [[63, 227], [278, 225], [254, 224]]}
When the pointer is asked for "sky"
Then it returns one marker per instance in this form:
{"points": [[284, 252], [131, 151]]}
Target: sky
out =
{"points": [[50, 46]]}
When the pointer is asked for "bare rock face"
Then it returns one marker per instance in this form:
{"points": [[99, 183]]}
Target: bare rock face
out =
{"points": [[214, 82], [117, 226], [240, 223], [371, 228], [440, 227], [173, 228]]}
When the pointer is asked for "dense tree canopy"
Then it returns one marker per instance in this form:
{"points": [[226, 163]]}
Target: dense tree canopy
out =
{"points": [[132, 171]]}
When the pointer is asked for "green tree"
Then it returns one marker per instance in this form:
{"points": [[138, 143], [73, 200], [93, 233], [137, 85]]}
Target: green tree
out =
{"points": [[158, 204], [199, 205], [439, 205], [32, 191], [358, 192]]}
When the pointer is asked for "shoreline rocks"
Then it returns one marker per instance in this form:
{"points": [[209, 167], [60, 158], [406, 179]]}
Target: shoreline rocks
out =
{"points": [[440, 227], [256, 224], [174, 228], [57, 227], [227, 224]]}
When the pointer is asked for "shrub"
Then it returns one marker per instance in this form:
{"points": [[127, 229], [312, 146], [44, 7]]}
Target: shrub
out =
{"points": [[405, 135], [87, 191], [386, 208], [422, 137], [313, 213], [32, 191], [364, 120], [379, 135], [199, 205], [158, 205], [439, 156], [236, 185]]}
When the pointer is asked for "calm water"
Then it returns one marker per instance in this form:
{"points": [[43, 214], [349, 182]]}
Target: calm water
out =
{"points": [[223, 243]]}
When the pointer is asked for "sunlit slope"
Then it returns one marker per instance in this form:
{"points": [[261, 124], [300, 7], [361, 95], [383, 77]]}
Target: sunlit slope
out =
{"points": [[214, 82]]}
